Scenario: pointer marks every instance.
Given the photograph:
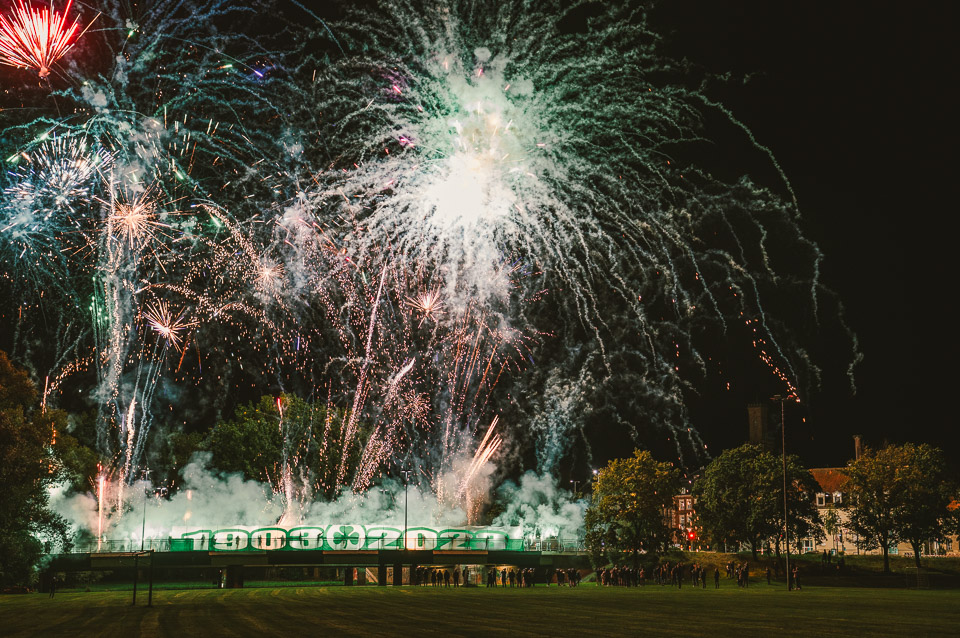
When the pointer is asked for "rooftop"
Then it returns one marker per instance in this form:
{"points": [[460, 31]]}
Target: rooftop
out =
{"points": [[831, 479]]}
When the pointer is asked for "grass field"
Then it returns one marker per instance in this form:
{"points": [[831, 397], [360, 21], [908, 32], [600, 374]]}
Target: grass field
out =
{"points": [[410, 611]]}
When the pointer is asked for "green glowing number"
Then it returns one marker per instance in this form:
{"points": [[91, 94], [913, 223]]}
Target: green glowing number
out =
{"points": [[421, 538], [490, 539], [382, 538], [454, 539], [306, 538], [268, 538], [231, 539], [190, 541]]}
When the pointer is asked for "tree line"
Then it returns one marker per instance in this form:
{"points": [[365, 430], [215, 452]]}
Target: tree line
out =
{"points": [[899, 493]]}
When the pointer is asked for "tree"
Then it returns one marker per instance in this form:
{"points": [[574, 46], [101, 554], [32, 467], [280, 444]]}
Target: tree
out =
{"points": [[255, 441], [900, 492], [178, 449], [626, 513], [27, 468], [923, 515], [77, 461], [251, 443], [831, 524], [740, 498]]}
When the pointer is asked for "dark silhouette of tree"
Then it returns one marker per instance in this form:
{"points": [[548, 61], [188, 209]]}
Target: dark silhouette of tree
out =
{"points": [[28, 467], [739, 498], [900, 492], [626, 513]]}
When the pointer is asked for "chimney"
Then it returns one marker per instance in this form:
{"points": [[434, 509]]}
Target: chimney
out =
{"points": [[757, 419], [857, 447]]}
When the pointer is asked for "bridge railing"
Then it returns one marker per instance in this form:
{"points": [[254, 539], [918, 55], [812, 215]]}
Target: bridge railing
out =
{"points": [[205, 544]]}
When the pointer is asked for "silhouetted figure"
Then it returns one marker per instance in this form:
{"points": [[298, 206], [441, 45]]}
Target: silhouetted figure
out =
{"points": [[716, 578]]}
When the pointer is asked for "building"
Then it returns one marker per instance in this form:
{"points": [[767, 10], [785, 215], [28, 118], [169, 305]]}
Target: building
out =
{"points": [[838, 538], [680, 517]]}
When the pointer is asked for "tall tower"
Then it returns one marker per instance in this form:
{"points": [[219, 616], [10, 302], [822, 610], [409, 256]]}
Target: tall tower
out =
{"points": [[757, 416]]}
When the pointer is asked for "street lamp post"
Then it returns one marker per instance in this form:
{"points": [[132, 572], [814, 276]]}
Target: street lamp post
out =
{"points": [[575, 484], [783, 450], [406, 482], [143, 520], [143, 527]]}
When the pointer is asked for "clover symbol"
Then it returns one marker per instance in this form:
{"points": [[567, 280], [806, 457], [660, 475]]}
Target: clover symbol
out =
{"points": [[346, 536]]}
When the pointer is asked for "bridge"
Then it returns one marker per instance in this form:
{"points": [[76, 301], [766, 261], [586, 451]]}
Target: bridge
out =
{"points": [[359, 553]]}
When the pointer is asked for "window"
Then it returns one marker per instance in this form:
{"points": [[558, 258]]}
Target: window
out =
{"points": [[837, 497], [807, 545], [821, 499]]}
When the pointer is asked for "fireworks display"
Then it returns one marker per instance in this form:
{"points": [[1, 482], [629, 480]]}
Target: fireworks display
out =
{"points": [[461, 232], [35, 38]]}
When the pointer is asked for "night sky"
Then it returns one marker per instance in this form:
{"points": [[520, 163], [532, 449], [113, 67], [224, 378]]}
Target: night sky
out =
{"points": [[853, 101]]}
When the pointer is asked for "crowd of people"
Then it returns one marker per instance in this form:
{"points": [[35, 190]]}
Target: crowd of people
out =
{"points": [[528, 577], [424, 576], [673, 574], [495, 577], [664, 574]]}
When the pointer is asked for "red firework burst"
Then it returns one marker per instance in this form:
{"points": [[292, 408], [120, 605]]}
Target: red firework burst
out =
{"points": [[35, 38]]}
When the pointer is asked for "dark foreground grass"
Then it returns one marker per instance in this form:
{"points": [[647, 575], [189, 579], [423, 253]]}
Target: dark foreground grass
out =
{"points": [[410, 611]]}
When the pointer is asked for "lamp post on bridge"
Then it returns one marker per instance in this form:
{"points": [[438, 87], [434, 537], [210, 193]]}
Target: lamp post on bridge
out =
{"points": [[143, 521], [406, 482]]}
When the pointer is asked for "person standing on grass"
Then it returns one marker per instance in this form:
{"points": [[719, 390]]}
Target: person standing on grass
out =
{"points": [[456, 576], [53, 586], [716, 578], [796, 577]]}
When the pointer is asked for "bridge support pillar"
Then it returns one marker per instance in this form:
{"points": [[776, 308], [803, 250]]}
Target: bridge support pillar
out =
{"points": [[348, 576], [382, 575], [361, 575], [397, 574], [234, 577]]}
